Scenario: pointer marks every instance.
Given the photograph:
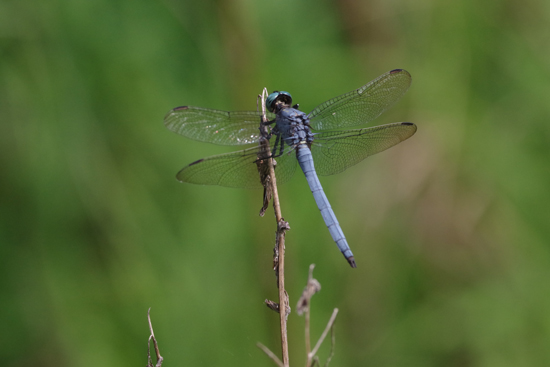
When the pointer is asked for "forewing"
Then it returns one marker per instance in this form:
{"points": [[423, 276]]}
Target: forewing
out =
{"points": [[361, 105], [214, 126], [236, 169], [335, 151]]}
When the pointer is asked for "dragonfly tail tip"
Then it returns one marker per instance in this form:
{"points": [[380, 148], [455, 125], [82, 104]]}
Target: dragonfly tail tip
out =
{"points": [[351, 262]]}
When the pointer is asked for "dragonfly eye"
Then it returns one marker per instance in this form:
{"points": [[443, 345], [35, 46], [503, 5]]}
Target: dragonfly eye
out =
{"points": [[275, 98]]}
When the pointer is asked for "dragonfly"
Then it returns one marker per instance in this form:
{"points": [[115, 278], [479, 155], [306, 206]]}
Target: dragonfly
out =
{"points": [[311, 140]]}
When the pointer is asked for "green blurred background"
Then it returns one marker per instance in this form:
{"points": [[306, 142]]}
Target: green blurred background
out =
{"points": [[450, 229]]}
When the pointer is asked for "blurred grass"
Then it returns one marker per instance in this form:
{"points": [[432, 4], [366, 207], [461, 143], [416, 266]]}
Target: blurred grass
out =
{"points": [[450, 229]]}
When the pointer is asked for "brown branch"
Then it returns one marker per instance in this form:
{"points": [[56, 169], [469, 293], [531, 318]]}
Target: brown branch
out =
{"points": [[304, 303], [270, 354], [282, 227], [332, 344], [324, 334], [152, 336]]}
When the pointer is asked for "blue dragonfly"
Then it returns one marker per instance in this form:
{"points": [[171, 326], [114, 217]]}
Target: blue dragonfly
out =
{"points": [[299, 137]]}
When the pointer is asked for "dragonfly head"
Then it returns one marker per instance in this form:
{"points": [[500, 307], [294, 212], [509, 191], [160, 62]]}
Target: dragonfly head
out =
{"points": [[277, 100]]}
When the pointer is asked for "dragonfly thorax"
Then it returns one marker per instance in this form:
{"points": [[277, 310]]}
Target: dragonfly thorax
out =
{"points": [[294, 126]]}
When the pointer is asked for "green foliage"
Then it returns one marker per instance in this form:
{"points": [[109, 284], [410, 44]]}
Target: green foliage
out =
{"points": [[449, 230]]}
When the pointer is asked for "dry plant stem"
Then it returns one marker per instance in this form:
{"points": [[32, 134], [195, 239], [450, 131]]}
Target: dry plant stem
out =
{"points": [[282, 293], [325, 332], [308, 336], [304, 304], [281, 242], [308, 339], [270, 354], [332, 343], [152, 336]]}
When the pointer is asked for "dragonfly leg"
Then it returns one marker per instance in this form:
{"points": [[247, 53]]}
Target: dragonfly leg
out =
{"points": [[275, 145], [264, 129], [282, 147], [273, 153]]}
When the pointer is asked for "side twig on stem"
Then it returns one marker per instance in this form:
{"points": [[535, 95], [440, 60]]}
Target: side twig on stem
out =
{"points": [[270, 354]]}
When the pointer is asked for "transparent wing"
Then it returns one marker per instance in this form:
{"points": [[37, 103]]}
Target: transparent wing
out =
{"points": [[335, 151], [361, 105], [214, 126], [236, 169]]}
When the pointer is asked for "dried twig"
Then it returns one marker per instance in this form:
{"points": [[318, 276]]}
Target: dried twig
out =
{"points": [[152, 336], [312, 287], [332, 344], [270, 354], [282, 227], [324, 334]]}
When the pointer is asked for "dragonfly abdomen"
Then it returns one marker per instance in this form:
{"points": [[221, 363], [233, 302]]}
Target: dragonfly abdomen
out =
{"points": [[305, 160]]}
